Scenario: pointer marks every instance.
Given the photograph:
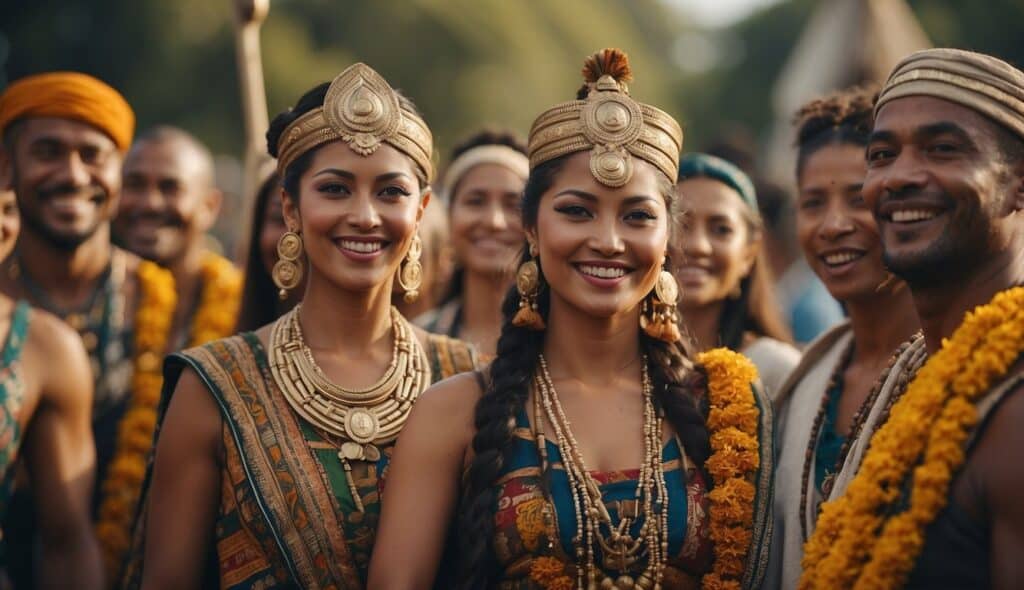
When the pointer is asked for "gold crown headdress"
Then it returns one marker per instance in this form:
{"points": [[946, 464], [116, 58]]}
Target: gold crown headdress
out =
{"points": [[362, 110], [610, 123]]}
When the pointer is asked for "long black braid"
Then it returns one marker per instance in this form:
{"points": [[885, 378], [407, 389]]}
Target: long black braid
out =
{"points": [[678, 390]]}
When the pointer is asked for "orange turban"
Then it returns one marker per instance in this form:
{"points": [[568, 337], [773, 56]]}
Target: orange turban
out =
{"points": [[70, 95]]}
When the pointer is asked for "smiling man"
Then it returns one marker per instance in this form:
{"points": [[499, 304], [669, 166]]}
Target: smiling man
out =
{"points": [[65, 135], [941, 480], [168, 203]]}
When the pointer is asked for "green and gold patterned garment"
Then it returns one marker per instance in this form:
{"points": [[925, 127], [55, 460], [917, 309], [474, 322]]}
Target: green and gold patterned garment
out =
{"points": [[286, 517]]}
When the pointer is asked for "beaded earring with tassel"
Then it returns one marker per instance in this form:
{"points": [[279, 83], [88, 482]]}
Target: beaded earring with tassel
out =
{"points": [[528, 281], [658, 316]]}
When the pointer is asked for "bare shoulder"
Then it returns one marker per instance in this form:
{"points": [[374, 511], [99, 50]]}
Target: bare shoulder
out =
{"points": [[443, 414], [190, 392], [453, 398], [193, 415], [49, 344], [50, 340], [47, 334], [1003, 433], [1002, 438]]}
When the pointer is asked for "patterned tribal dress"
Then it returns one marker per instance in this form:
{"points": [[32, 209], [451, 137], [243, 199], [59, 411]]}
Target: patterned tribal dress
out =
{"points": [[533, 555], [286, 518], [531, 558]]}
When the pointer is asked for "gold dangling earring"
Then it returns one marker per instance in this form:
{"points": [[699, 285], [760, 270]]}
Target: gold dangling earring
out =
{"points": [[658, 316], [411, 276], [528, 280], [287, 272]]}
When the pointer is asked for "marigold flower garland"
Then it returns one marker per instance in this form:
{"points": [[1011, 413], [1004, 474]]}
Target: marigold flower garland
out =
{"points": [[854, 544], [220, 300], [214, 318], [733, 423]]}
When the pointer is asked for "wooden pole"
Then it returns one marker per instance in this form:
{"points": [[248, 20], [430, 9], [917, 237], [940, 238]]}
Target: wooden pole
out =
{"points": [[249, 15]]}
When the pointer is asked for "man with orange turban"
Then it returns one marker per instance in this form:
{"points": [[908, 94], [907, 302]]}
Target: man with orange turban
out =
{"points": [[64, 136]]}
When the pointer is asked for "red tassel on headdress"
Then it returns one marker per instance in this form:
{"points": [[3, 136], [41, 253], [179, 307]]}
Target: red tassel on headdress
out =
{"points": [[608, 62]]}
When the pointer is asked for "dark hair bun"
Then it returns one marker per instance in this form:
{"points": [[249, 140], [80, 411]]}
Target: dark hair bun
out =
{"points": [[310, 100]]}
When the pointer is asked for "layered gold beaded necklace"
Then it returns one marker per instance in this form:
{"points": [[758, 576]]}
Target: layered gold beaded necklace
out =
{"points": [[620, 551], [359, 420]]}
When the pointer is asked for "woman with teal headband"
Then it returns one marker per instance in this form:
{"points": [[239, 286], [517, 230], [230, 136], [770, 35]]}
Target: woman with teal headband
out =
{"points": [[725, 287]]}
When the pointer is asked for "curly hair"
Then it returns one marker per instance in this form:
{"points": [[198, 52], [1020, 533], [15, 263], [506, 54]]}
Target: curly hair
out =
{"points": [[679, 393], [844, 117]]}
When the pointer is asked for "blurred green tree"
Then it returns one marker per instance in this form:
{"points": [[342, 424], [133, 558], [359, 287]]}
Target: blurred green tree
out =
{"points": [[464, 62]]}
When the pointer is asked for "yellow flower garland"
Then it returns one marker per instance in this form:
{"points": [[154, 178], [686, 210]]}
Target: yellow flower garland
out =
{"points": [[215, 318], [733, 423], [854, 545]]}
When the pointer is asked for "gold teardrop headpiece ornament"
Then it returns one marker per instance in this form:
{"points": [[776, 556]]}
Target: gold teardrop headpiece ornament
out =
{"points": [[610, 124], [362, 110]]}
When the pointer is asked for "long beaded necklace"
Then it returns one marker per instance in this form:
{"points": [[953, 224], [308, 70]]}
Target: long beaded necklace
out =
{"points": [[356, 421], [859, 419], [620, 551]]}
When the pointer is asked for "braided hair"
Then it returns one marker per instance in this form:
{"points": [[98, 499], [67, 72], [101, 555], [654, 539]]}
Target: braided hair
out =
{"points": [[844, 117], [678, 393]]}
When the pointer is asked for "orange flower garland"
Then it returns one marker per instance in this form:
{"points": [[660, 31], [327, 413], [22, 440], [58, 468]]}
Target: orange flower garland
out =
{"points": [[127, 469], [219, 303], [215, 318], [549, 573], [733, 422], [854, 545]]}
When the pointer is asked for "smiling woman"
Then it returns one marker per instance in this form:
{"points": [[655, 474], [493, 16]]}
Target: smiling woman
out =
{"points": [[482, 187], [586, 455], [726, 286], [299, 417], [833, 400]]}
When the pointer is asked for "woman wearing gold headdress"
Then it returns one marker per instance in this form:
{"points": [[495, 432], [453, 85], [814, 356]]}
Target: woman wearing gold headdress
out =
{"points": [[593, 453], [273, 443]]}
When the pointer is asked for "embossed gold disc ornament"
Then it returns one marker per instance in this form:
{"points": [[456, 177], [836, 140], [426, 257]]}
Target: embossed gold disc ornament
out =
{"points": [[667, 289], [361, 109], [609, 123], [360, 419]]}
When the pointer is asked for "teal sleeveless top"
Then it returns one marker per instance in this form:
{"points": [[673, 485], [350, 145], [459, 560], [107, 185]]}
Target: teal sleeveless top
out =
{"points": [[530, 559], [12, 397]]}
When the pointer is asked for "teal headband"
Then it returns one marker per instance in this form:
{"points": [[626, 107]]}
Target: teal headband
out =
{"points": [[696, 165]]}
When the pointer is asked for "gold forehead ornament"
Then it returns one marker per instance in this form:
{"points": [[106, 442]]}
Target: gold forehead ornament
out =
{"points": [[609, 123], [362, 110]]}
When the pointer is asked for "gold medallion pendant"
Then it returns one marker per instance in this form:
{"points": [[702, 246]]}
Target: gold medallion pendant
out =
{"points": [[357, 421]]}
